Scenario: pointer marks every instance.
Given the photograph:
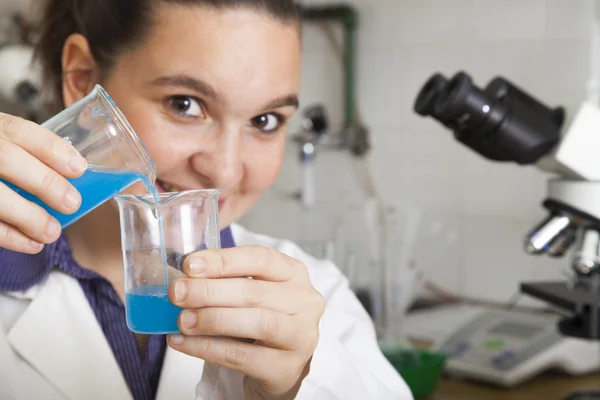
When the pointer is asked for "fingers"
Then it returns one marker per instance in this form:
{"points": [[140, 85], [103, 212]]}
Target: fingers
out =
{"points": [[30, 174], [13, 239], [27, 217], [241, 292], [278, 369], [255, 261], [274, 329], [43, 145]]}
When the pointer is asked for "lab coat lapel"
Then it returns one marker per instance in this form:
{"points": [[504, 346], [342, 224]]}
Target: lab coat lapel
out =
{"points": [[185, 377], [179, 377], [59, 336]]}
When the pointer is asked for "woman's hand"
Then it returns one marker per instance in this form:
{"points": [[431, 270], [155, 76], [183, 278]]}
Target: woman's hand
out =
{"points": [[266, 327], [37, 161]]}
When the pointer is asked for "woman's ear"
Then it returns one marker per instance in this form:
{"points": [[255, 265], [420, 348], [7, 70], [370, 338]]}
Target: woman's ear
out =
{"points": [[79, 69]]}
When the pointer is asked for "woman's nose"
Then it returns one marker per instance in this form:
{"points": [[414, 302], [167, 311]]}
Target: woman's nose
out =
{"points": [[222, 165]]}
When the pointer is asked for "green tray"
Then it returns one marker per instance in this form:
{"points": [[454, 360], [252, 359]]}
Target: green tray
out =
{"points": [[421, 370]]}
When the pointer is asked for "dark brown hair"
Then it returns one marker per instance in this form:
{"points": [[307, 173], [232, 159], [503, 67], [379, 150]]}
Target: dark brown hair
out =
{"points": [[112, 26]]}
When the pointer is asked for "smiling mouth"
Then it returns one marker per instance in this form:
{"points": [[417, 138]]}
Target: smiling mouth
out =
{"points": [[164, 187]]}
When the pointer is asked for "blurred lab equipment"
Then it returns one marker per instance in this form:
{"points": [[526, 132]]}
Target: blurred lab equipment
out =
{"points": [[314, 126], [502, 347], [503, 123], [353, 135], [19, 80], [156, 237], [354, 138], [20, 76], [422, 376], [115, 154], [317, 134]]}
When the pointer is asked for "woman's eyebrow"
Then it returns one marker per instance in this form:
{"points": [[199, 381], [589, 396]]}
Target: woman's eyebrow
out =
{"points": [[187, 82], [285, 101], [206, 90]]}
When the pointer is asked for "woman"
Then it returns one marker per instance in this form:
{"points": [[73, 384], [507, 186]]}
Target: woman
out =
{"points": [[209, 86]]}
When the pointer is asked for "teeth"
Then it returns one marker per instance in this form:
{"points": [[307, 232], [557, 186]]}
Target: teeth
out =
{"points": [[169, 188]]}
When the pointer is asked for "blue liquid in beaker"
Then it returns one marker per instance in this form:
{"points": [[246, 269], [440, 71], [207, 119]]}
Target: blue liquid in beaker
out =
{"points": [[96, 185], [149, 310]]}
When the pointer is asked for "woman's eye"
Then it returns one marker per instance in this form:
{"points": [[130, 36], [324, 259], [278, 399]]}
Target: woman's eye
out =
{"points": [[267, 122], [186, 106]]}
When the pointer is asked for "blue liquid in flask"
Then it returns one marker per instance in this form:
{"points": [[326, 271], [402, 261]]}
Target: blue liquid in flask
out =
{"points": [[96, 185]]}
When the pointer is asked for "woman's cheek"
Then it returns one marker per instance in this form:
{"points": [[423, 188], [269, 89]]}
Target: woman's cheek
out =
{"points": [[266, 167], [149, 132]]}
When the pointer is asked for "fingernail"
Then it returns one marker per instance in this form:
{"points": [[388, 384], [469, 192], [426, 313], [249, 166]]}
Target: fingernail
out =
{"points": [[35, 245], [77, 163], [180, 291], [176, 339], [189, 319], [71, 199], [53, 228], [197, 265]]}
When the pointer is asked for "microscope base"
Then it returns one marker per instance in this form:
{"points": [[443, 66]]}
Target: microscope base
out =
{"points": [[583, 303]]}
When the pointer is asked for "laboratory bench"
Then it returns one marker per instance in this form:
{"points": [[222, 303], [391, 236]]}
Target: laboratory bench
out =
{"points": [[548, 386]]}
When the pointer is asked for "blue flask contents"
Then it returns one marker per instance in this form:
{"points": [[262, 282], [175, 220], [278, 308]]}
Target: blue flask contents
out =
{"points": [[96, 185], [149, 311]]}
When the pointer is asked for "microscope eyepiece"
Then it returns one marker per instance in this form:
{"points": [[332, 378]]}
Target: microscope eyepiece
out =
{"points": [[460, 97], [501, 122], [428, 95]]}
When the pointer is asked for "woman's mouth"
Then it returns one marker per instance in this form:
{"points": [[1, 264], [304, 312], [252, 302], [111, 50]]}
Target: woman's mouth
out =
{"points": [[164, 187]]}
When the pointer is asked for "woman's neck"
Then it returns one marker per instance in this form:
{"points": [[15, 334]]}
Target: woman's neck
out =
{"points": [[95, 242]]}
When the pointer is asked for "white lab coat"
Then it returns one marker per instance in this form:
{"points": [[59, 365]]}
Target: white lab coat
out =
{"points": [[52, 347]]}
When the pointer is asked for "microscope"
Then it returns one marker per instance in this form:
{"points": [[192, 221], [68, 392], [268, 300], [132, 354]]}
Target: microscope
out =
{"points": [[503, 123]]}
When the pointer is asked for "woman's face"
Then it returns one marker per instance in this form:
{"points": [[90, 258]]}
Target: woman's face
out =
{"points": [[209, 92]]}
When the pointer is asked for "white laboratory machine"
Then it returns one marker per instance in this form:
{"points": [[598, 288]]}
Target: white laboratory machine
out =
{"points": [[501, 347]]}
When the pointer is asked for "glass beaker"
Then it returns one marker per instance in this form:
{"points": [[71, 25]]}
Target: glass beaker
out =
{"points": [[115, 154], [155, 239]]}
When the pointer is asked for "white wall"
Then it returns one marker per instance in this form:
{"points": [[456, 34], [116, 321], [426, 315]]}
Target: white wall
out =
{"points": [[541, 45]]}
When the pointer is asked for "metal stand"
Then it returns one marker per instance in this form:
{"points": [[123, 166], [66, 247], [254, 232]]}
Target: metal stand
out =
{"points": [[584, 304], [579, 300]]}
